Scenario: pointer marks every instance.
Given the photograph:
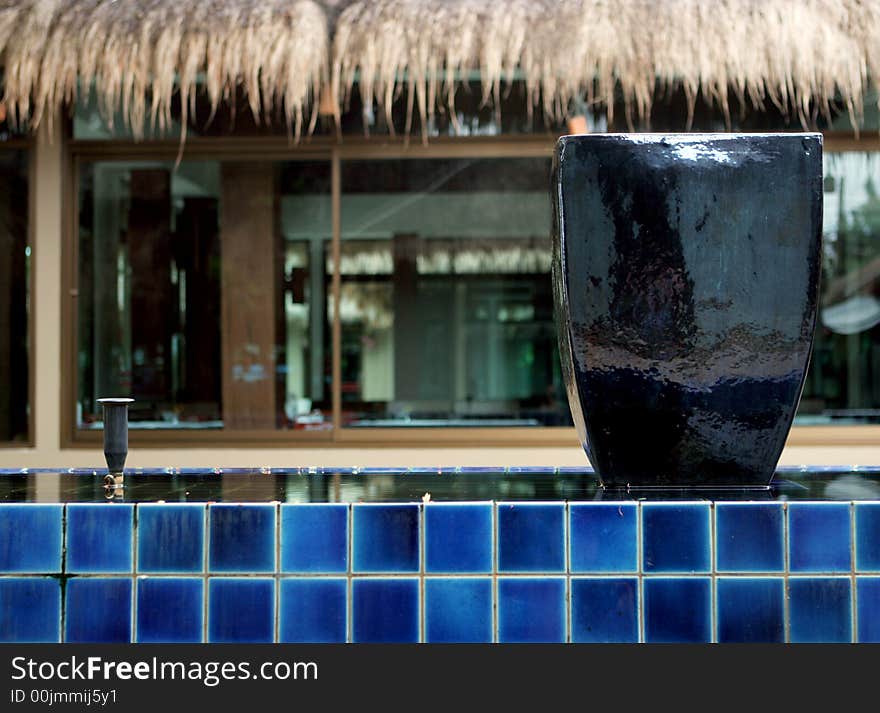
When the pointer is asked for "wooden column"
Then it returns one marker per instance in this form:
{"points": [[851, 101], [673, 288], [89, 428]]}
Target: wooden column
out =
{"points": [[248, 285]]}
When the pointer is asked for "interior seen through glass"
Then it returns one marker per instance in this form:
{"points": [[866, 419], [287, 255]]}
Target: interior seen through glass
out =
{"points": [[205, 292]]}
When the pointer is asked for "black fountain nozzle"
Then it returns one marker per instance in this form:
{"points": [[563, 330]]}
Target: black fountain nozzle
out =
{"points": [[115, 439]]}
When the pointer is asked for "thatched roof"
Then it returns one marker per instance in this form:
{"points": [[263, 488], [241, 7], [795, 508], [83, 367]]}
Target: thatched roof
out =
{"points": [[139, 52], [795, 54]]}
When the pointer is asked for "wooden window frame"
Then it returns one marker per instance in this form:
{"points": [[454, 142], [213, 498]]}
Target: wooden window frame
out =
{"points": [[328, 149]]}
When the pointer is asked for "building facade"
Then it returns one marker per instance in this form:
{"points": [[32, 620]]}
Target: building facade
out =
{"points": [[355, 271]]}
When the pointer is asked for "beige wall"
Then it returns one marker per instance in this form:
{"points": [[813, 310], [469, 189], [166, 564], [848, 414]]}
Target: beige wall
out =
{"points": [[47, 451]]}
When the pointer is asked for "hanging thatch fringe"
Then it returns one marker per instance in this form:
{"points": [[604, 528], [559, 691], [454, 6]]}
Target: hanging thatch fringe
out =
{"points": [[138, 53], [799, 55]]}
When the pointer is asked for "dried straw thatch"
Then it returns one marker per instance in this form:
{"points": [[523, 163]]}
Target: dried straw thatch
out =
{"points": [[138, 53], [796, 54]]}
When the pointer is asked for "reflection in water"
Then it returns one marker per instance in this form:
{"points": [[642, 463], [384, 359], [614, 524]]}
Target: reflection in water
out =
{"points": [[852, 487], [295, 485]]}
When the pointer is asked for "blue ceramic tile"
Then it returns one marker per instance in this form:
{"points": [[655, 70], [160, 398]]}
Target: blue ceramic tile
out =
{"points": [[603, 537], [386, 538], [819, 537], [748, 537], [868, 606], [458, 610], [242, 538], [531, 537], [820, 609], [458, 537], [677, 610], [169, 610], [98, 610], [675, 537], [385, 610], [241, 610], [30, 538], [604, 610], [531, 610], [30, 610], [170, 538], [314, 538], [751, 609], [99, 538], [313, 610], [867, 537]]}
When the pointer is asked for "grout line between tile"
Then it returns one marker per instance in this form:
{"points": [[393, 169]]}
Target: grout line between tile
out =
{"points": [[854, 610], [495, 637], [206, 543], [134, 572], [786, 571], [277, 575], [566, 541], [713, 581], [422, 602], [640, 572], [63, 579], [350, 585]]}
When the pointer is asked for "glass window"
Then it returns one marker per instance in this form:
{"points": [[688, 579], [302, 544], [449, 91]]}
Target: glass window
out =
{"points": [[202, 293], [472, 117], [843, 384], [14, 302], [446, 306]]}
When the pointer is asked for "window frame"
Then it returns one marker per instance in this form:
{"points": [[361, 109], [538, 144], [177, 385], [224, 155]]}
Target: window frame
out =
{"points": [[27, 146], [538, 145]]}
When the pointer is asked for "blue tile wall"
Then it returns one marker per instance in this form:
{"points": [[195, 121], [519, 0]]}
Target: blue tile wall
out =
{"points": [[98, 609], [241, 610], [20, 551], [819, 537], [749, 537], [751, 609], [386, 538], [821, 609], [99, 538], [458, 610], [171, 538], [604, 610], [30, 610], [385, 610], [242, 538], [868, 607], [441, 572], [677, 610], [314, 538], [458, 538], [313, 610], [531, 537], [531, 610], [675, 537], [867, 537], [170, 610], [603, 537]]}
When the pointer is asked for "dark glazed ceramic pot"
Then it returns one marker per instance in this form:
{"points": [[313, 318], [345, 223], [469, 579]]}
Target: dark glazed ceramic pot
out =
{"points": [[686, 272]]}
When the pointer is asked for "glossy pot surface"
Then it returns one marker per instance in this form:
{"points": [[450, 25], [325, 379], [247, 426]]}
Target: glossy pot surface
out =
{"points": [[686, 271]]}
